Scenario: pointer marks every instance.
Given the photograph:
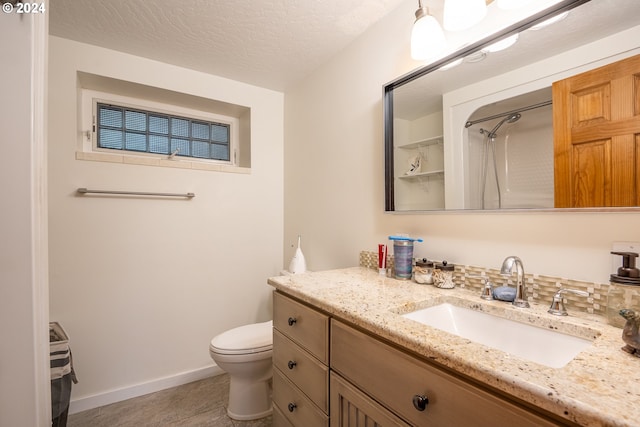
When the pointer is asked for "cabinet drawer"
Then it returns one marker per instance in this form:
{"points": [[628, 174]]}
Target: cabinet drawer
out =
{"points": [[306, 326], [309, 375], [393, 377], [295, 406]]}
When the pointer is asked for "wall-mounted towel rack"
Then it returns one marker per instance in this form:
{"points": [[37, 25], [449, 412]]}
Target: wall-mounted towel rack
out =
{"points": [[136, 193]]}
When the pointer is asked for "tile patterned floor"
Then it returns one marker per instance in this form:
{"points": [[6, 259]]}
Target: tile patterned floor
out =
{"points": [[197, 404]]}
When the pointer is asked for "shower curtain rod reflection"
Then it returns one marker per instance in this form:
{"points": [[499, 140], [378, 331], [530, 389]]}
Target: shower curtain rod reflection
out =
{"points": [[508, 113]]}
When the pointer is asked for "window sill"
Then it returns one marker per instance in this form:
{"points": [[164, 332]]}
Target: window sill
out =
{"points": [[155, 161]]}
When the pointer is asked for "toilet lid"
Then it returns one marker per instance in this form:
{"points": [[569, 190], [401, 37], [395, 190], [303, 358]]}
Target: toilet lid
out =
{"points": [[252, 338]]}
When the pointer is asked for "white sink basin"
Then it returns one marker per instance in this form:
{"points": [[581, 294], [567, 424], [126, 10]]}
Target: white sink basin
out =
{"points": [[544, 346]]}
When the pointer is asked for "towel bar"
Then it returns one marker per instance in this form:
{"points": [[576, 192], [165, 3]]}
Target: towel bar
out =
{"points": [[136, 193]]}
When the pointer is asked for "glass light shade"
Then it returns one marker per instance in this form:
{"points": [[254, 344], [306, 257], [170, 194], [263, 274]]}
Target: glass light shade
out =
{"points": [[462, 14], [502, 44], [512, 4], [427, 38]]}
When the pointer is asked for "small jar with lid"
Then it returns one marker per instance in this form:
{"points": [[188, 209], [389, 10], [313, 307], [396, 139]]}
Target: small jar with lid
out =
{"points": [[443, 275], [423, 271], [624, 289]]}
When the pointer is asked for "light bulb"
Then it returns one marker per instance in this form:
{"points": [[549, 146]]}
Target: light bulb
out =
{"points": [[427, 38], [462, 14]]}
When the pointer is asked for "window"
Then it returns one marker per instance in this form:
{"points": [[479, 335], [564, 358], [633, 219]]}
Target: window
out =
{"points": [[138, 125], [136, 130]]}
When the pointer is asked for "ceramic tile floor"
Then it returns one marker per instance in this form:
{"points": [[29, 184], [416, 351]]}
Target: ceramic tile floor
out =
{"points": [[197, 404]]}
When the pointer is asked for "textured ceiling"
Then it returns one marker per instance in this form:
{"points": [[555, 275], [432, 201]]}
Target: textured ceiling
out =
{"points": [[267, 43]]}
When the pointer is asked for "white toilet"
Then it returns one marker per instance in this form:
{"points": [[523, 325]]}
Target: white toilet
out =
{"points": [[245, 354]]}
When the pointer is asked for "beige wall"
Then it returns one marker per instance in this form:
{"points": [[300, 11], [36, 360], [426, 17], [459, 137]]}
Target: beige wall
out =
{"points": [[140, 284], [334, 188]]}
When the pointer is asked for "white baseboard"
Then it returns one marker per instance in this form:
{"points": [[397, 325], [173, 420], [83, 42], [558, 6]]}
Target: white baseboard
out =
{"points": [[97, 400]]}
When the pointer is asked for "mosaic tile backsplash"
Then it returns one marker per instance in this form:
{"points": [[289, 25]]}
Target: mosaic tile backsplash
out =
{"points": [[540, 288]]}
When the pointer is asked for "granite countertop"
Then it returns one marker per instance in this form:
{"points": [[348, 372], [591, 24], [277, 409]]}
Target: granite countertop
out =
{"points": [[600, 386]]}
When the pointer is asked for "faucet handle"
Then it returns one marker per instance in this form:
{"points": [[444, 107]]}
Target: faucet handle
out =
{"points": [[487, 288], [557, 303]]}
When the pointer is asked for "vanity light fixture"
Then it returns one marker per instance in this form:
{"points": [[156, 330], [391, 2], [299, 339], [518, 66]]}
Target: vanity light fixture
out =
{"points": [[502, 44], [462, 14], [427, 37]]}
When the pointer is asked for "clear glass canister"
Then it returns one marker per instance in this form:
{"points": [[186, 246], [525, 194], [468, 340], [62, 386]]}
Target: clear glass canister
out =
{"points": [[443, 275], [423, 271]]}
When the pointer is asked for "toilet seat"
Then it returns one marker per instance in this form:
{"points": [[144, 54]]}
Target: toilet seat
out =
{"points": [[247, 339]]}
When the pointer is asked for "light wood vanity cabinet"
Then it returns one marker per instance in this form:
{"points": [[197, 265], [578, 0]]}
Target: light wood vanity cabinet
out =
{"points": [[351, 378], [300, 361]]}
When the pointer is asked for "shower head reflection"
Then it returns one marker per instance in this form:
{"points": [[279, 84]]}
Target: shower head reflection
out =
{"points": [[512, 118], [509, 119]]}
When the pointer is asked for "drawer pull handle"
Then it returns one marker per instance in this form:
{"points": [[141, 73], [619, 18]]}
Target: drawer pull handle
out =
{"points": [[291, 321], [292, 407], [291, 364], [420, 402]]}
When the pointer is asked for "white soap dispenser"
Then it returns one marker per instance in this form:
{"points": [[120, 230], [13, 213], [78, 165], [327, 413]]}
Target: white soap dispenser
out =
{"points": [[298, 264]]}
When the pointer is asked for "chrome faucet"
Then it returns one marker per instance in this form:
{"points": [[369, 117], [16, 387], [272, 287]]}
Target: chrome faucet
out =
{"points": [[507, 268]]}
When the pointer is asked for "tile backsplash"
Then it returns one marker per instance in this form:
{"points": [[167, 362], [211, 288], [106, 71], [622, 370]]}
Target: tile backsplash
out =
{"points": [[540, 288]]}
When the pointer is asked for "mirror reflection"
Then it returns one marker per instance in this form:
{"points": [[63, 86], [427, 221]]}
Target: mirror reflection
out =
{"points": [[510, 152], [482, 134]]}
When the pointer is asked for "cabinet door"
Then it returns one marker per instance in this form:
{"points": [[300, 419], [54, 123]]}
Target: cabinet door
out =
{"points": [[596, 131], [352, 408]]}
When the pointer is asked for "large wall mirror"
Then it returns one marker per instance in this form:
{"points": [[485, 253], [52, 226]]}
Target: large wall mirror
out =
{"points": [[485, 134]]}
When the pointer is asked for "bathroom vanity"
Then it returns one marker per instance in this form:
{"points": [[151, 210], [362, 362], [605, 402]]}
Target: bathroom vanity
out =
{"points": [[343, 350]]}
